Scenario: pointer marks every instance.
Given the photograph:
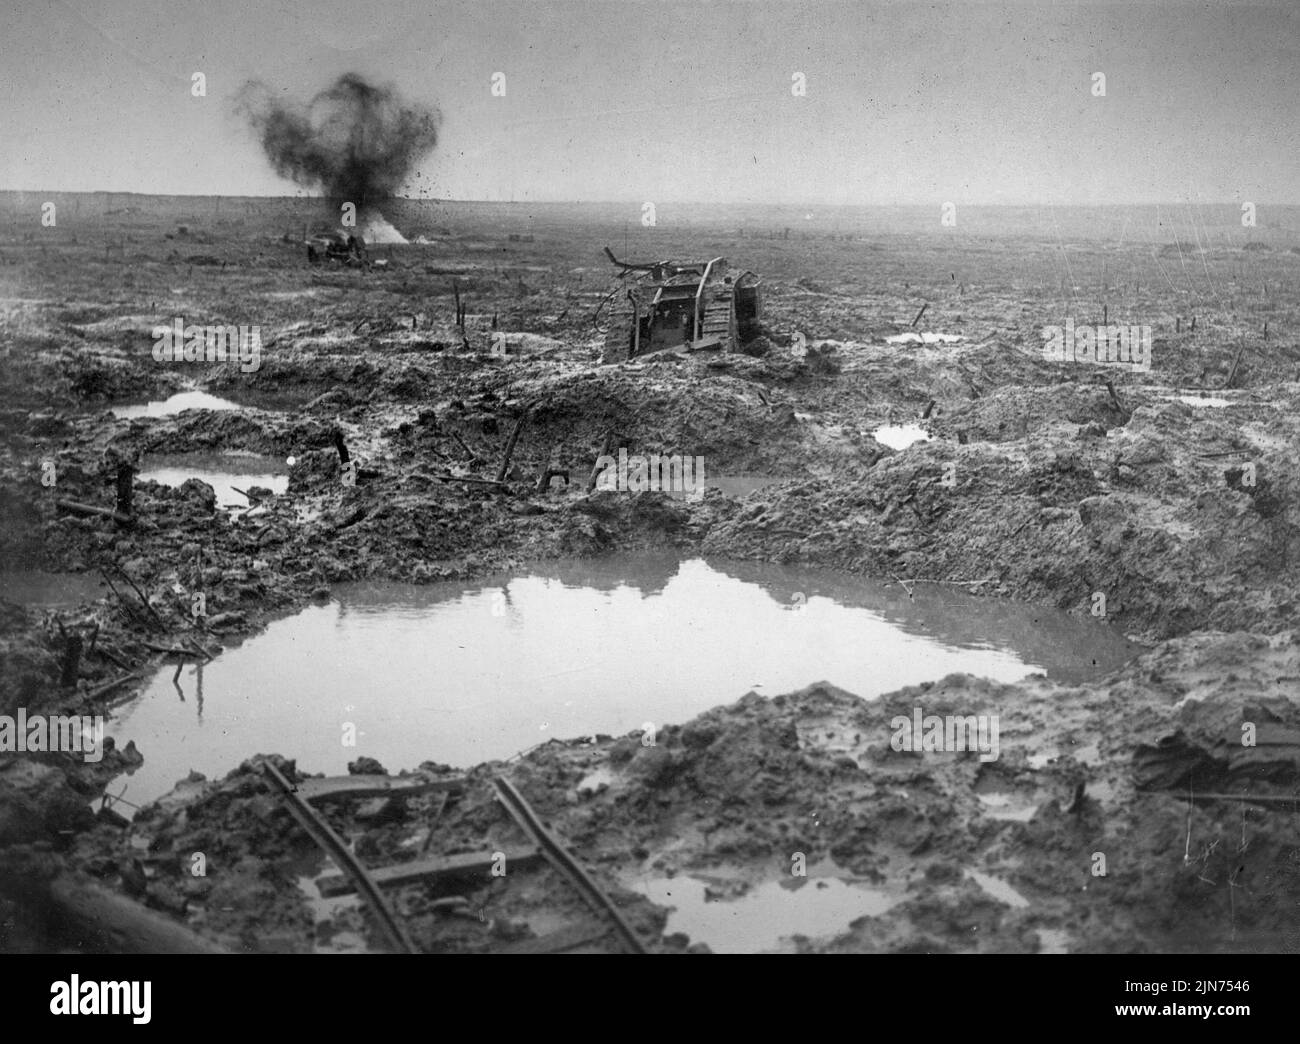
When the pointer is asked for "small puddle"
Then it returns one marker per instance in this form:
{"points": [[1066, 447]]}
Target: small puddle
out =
{"points": [[998, 889], [1006, 807], [766, 917], [924, 338], [190, 400], [1203, 400], [461, 673], [224, 472], [900, 436], [306, 870], [51, 590], [601, 777]]}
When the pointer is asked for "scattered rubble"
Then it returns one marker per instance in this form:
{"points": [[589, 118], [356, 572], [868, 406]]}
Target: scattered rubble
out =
{"points": [[417, 450]]}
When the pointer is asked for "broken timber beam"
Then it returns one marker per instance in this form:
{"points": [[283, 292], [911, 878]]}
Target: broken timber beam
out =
{"points": [[324, 836], [90, 509], [432, 870], [510, 445], [559, 940], [111, 684], [170, 650], [372, 786]]}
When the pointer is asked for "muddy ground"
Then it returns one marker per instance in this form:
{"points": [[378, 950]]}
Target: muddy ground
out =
{"points": [[1070, 485]]}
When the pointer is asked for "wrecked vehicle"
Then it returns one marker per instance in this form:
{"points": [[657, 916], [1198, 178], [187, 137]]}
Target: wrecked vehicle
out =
{"points": [[671, 304], [336, 246]]}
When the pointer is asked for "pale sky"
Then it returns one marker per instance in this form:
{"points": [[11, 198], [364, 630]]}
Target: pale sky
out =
{"points": [[681, 100]]}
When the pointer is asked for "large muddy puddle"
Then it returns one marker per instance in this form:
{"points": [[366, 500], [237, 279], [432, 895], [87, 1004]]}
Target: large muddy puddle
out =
{"points": [[467, 672]]}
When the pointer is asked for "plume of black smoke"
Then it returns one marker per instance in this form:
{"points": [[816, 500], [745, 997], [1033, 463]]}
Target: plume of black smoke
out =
{"points": [[355, 141]]}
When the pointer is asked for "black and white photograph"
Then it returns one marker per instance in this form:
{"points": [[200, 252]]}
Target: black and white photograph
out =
{"points": [[671, 477]]}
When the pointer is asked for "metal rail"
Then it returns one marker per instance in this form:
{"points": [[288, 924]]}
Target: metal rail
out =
{"points": [[559, 857], [323, 834], [699, 319]]}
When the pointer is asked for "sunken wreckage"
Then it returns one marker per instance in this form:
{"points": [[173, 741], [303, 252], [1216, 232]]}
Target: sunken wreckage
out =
{"points": [[675, 304]]}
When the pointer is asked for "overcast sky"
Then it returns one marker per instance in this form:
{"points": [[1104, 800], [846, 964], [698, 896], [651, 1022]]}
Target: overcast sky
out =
{"points": [[637, 100]]}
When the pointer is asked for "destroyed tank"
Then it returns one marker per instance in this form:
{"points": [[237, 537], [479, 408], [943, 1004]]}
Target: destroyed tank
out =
{"points": [[336, 246], [675, 304]]}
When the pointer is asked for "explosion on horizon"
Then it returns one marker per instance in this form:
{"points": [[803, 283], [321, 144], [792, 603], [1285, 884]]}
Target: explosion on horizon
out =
{"points": [[355, 141]]}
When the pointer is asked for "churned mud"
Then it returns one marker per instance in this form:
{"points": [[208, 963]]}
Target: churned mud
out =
{"points": [[1128, 812]]}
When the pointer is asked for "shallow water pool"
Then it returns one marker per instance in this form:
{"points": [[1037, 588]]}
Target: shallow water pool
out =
{"points": [[226, 473], [190, 400], [466, 672]]}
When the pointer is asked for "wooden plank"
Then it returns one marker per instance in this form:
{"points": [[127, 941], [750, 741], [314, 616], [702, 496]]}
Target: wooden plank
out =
{"points": [[91, 509], [373, 786], [434, 870], [323, 834], [559, 941]]}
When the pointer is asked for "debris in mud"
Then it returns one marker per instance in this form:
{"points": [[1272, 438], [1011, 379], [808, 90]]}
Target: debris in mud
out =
{"points": [[386, 437], [798, 789]]}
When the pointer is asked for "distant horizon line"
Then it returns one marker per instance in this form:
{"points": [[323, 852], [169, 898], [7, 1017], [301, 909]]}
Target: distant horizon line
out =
{"points": [[639, 202]]}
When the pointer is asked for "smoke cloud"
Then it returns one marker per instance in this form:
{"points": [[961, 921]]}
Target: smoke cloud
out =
{"points": [[355, 141]]}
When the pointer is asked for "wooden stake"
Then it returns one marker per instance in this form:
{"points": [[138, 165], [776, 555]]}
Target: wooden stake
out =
{"points": [[1235, 363], [604, 452], [341, 446], [460, 307], [71, 659], [125, 488], [510, 445], [1110, 387]]}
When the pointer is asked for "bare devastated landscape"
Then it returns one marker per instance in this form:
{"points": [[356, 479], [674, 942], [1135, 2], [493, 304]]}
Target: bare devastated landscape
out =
{"points": [[434, 412]]}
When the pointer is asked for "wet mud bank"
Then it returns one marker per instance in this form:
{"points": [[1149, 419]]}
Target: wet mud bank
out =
{"points": [[1141, 775]]}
